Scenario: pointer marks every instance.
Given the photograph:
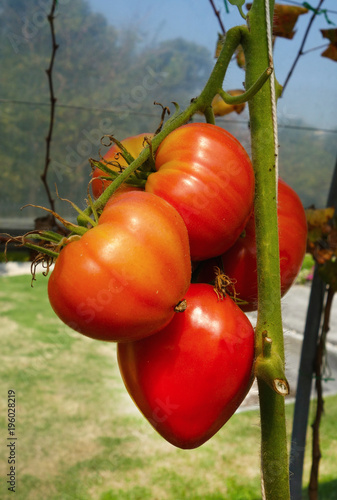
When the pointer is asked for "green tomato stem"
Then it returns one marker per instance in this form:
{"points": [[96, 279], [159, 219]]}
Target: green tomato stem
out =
{"points": [[39, 249], [270, 362], [257, 85], [209, 115]]}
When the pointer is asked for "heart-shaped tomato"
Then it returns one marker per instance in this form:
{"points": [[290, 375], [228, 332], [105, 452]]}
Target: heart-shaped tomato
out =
{"points": [[189, 378], [123, 278]]}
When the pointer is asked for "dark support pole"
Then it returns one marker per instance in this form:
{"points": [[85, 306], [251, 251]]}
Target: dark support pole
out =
{"points": [[306, 370], [304, 384]]}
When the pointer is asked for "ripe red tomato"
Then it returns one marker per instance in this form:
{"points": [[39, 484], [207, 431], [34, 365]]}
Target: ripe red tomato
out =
{"points": [[239, 262], [189, 379], [205, 173], [134, 145], [123, 278]]}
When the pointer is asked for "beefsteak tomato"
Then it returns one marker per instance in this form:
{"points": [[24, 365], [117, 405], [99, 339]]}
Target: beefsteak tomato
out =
{"points": [[189, 379], [122, 280], [134, 145], [205, 173], [239, 262]]}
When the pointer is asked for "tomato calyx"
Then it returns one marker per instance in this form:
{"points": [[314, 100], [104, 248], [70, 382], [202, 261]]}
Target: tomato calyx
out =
{"points": [[224, 285], [123, 151], [137, 179], [47, 244], [181, 306], [46, 251]]}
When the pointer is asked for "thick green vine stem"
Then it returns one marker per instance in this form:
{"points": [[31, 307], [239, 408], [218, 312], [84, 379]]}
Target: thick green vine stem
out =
{"points": [[270, 361]]}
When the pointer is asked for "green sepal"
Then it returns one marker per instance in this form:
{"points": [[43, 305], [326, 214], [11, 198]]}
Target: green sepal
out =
{"points": [[174, 116], [104, 166], [123, 151], [239, 4], [41, 250]]}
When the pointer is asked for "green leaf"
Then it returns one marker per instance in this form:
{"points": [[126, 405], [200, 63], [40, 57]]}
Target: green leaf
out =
{"points": [[239, 4]]}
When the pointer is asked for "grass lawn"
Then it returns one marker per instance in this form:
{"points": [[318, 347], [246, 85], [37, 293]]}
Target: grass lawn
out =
{"points": [[79, 436]]}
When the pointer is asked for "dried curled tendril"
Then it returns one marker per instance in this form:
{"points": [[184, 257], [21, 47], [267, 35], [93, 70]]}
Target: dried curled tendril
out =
{"points": [[42, 257], [223, 285], [45, 260], [47, 250]]}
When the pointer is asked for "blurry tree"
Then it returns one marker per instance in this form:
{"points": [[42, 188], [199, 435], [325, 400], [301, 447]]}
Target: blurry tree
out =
{"points": [[105, 81]]}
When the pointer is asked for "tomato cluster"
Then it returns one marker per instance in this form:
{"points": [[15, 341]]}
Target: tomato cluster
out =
{"points": [[185, 350]]}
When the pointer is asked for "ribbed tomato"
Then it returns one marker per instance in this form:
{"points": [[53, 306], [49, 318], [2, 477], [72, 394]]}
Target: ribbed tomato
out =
{"points": [[205, 173], [189, 379], [122, 280]]}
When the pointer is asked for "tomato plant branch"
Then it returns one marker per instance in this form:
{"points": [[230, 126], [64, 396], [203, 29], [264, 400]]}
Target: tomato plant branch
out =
{"points": [[274, 457], [217, 14], [320, 352], [49, 72], [300, 51]]}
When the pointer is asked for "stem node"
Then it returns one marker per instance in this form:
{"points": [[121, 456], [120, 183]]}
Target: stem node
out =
{"points": [[269, 368]]}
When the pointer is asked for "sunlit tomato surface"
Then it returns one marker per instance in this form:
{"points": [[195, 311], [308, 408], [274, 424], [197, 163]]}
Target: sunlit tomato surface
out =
{"points": [[134, 145], [123, 278], [191, 377], [205, 173], [239, 262]]}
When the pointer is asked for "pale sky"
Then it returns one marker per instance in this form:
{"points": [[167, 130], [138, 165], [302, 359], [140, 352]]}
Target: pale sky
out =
{"points": [[195, 21]]}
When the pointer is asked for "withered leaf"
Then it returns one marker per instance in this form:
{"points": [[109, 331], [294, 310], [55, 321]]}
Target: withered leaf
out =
{"points": [[285, 18], [219, 44], [331, 51], [328, 273], [330, 34], [220, 108], [322, 239], [317, 217], [240, 57]]}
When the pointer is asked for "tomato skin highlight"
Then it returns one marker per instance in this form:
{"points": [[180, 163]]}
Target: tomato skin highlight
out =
{"points": [[134, 145], [122, 279], [206, 174], [190, 379], [239, 262]]}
